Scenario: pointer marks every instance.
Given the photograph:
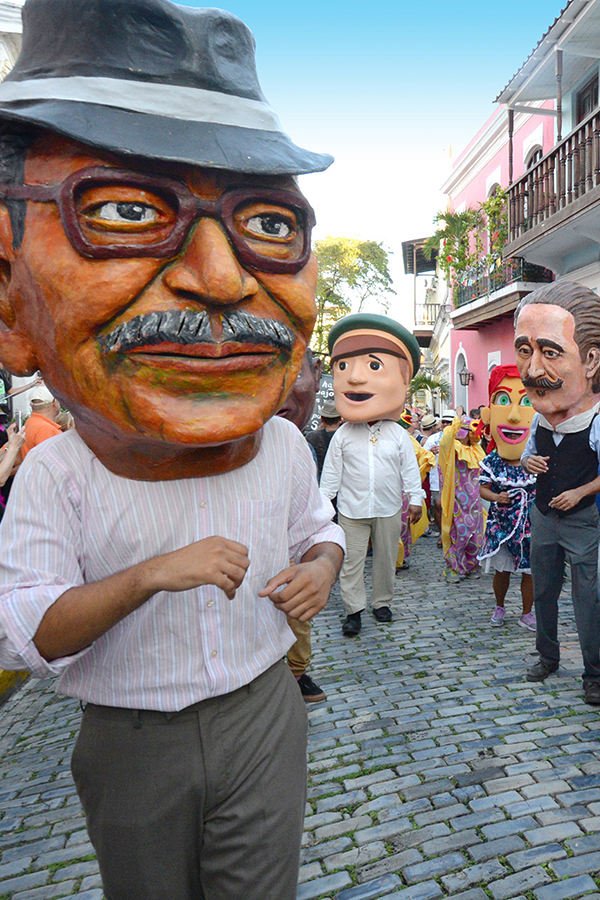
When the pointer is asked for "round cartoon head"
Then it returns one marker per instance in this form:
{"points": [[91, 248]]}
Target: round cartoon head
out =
{"points": [[510, 412], [373, 359]]}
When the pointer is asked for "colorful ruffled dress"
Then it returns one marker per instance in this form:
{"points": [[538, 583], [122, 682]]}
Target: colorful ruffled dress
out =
{"points": [[507, 539]]}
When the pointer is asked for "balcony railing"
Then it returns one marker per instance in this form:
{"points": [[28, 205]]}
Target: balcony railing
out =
{"points": [[426, 314], [568, 172], [483, 280]]}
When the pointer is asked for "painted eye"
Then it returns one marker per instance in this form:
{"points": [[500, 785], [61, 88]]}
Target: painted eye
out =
{"points": [[137, 213], [525, 401], [374, 365], [270, 225], [342, 366], [502, 399]]}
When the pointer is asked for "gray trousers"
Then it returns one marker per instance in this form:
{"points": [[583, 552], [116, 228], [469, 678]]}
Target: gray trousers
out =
{"points": [[385, 538], [554, 539], [205, 804]]}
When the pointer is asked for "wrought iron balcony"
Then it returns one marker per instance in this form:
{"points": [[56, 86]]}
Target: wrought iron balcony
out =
{"points": [[480, 281], [565, 175]]}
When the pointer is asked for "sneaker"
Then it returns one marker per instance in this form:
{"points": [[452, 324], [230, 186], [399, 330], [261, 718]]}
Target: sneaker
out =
{"points": [[528, 621], [383, 614], [452, 576], [352, 625], [541, 670], [474, 574], [403, 567], [498, 616], [591, 692], [310, 691]]}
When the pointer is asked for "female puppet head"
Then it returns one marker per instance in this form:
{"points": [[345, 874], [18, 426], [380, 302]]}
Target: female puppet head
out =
{"points": [[373, 359], [509, 413]]}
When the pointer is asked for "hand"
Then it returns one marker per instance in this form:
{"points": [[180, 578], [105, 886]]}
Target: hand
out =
{"points": [[306, 590], [213, 560], [435, 450], [566, 500], [536, 464], [504, 498], [414, 514], [16, 439]]}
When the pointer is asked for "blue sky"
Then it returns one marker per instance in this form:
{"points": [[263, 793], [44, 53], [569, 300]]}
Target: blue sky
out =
{"points": [[387, 88]]}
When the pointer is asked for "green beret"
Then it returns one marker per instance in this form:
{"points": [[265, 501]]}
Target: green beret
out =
{"points": [[365, 322]]}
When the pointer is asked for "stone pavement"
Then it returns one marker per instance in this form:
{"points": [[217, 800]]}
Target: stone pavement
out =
{"points": [[436, 770]]}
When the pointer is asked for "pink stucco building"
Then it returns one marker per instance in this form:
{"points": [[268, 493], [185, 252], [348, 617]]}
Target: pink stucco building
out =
{"points": [[482, 314]]}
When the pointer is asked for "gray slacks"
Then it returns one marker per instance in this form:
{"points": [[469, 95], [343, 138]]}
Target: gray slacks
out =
{"points": [[205, 804], [554, 539], [385, 538]]}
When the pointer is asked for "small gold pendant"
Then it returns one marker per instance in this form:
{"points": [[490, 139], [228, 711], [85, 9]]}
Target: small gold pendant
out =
{"points": [[373, 438]]}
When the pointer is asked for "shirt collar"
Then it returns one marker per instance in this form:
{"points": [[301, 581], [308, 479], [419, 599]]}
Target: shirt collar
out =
{"points": [[576, 423]]}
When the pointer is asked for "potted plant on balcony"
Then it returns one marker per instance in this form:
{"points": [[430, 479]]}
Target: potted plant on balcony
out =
{"points": [[456, 240]]}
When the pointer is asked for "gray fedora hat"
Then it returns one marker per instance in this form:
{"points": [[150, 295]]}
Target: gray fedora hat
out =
{"points": [[151, 79]]}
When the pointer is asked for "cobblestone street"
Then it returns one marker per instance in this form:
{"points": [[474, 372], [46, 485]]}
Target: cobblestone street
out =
{"points": [[436, 770]]}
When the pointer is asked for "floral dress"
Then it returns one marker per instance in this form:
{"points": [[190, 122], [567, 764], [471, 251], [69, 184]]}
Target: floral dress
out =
{"points": [[508, 530], [466, 530]]}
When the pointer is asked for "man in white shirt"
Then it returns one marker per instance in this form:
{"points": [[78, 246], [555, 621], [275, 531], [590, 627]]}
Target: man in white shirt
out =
{"points": [[432, 443], [158, 272], [371, 460], [557, 344]]}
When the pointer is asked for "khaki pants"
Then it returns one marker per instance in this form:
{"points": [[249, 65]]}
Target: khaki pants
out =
{"points": [[298, 656], [385, 537]]}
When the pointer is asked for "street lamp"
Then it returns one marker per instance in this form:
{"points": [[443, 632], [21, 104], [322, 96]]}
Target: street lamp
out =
{"points": [[465, 377]]}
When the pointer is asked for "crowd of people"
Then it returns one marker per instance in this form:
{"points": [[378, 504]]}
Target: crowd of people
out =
{"points": [[483, 523]]}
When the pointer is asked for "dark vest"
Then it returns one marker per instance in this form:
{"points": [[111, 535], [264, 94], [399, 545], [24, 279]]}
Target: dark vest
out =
{"points": [[571, 464], [319, 441]]}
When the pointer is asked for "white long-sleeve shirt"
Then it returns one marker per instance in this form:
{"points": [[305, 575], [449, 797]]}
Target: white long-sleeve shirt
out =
{"points": [[71, 522], [434, 474], [369, 467]]}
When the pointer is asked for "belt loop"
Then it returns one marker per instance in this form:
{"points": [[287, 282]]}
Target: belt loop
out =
{"points": [[135, 717]]}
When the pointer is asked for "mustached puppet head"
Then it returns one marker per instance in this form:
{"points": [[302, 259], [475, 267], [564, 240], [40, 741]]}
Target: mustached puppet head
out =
{"points": [[509, 413], [373, 359]]}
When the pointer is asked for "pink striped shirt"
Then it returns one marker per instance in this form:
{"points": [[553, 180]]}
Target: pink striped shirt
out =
{"points": [[71, 522]]}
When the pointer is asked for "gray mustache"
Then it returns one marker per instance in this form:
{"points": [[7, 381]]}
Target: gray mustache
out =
{"points": [[542, 384], [190, 326]]}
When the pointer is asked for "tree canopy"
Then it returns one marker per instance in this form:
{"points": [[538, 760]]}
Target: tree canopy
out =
{"points": [[353, 275]]}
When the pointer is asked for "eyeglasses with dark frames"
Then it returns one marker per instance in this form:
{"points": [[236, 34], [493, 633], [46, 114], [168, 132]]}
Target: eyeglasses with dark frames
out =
{"points": [[111, 213]]}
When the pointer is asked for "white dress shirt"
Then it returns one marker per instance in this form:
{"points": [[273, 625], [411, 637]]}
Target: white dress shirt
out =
{"points": [[434, 474], [70, 522], [369, 467]]}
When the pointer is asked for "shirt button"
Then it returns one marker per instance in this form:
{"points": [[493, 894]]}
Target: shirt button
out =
{"points": [[211, 603], [214, 653], [203, 503]]}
